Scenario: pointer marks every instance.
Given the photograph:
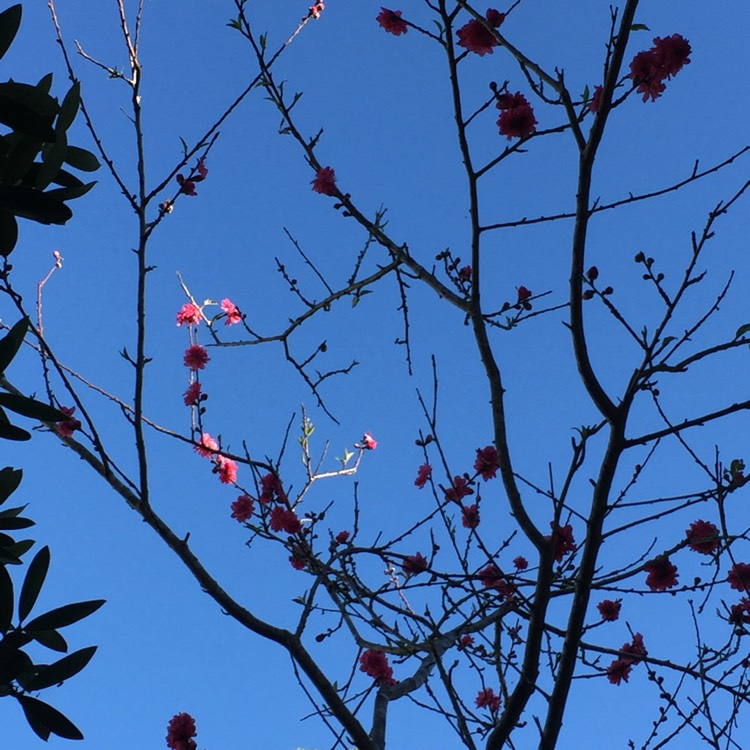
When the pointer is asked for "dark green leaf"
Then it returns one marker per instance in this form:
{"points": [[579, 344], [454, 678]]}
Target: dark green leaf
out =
{"points": [[31, 204], [10, 20], [639, 27], [45, 83], [51, 639], [742, 330], [66, 179], [62, 616], [30, 407], [19, 116], [11, 432], [8, 233], [19, 549], [68, 109], [9, 480], [45, 720], [10, 344], [6, 599], [32, 583], [61, 670], [79, 158], [23, 149], [10, 522], [53, 156], [69, 193], [33, 97]]}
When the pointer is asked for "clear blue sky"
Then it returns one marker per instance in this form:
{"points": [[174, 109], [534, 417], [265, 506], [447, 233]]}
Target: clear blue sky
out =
{"points": [[384, 103]]}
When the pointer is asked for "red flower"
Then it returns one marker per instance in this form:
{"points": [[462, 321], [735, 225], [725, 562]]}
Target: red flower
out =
{"points": [[703, 537], [650, 68], [487, 699], [271, 489], [226, 469], [459, 490], [596, 99], [298, 563], [672, 53], [68, 426], [180, 732], [609, 609], [521, 563], [492, 578], [487, 462], [242, 508], [186, 186], [192, 395], [739, 614], [207, 447], [662, 575], [739, 577], [516, 116], [415, 564], [232, 311], [465, 641], [635, 650], [196, 357], [375, 664], [316, 10], [470, 516], [325, 181], [464, 274], [342, 537], [618, 671], [189, 314], [391, 21], [476, 37], [283, 519], [368, 443], [564, 541], [424, 472]]}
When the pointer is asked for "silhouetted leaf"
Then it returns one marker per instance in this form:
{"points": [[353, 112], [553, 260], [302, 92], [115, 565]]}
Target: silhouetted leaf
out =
{"points": [[10, 522], [62, 616], [19, 549], [79, 158], [31, 204], [20, 117], [69, 193], [742, 330], [33, 582], [51, 639], [10, 20], [6, 599], [11, 432], [9, 480], [8, 233], [45, 720], [11, 343], [53, 156], [61, 670], [30, 407], [68, 109]]}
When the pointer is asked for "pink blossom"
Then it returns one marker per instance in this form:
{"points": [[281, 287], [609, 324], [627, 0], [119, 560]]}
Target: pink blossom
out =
{"points": [[325, 181], [470, 516], [609, 609], [476, 37], [232, 312], [242, 508], [284, 519], [342, 537], [596, 99], [739, 577], [487, 462], [424, 472], [196, 357], [703, 537], [739, 614], [650, 68], [415, 564], [662, 575], [487, 699], [207, 446], [564, 541], [619, 670], [67, 427], [368, 443], [192, 395], [226, 469], [271, 489], [375, 664], [464, 273], [516, 116], [465, 641], [520, 562], [493, 578], [180, 732], [189, 314], [458, 490], [391, 21]]}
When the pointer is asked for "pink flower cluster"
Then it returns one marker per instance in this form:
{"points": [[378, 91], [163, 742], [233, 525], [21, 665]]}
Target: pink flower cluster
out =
{"points": [[476, 37], [391, 21], [487, 699], [564, 542], [650, 68], [634, 652], [225, 467], [494, 578], [662, 574], [375, 664], [516, 119], [68, 426], [187, 185], [609, 609], [415, 564], [325, 181], [180, 732]]}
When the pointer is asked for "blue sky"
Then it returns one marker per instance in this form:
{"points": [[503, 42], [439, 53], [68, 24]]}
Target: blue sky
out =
{"points": [[384, 103]]}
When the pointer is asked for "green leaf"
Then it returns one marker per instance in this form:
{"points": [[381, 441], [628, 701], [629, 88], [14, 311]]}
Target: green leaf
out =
{"points": [[8, 233], [51, 639], [62, 616], [10, 20], [11, 343], [69, 108], [45, 720], [61, 670], [639, 27], [6, 600], [31, 204], [742, 330], [79, 158], [9, 480], [30, 407], [33, 582]]}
